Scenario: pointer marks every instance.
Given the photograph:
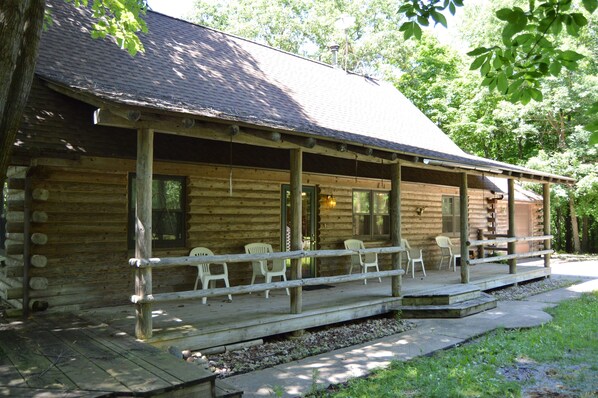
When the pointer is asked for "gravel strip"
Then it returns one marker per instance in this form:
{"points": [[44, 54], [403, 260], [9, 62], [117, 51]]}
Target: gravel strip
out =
{"points": [[283, 349]]}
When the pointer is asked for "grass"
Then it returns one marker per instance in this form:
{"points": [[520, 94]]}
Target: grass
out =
{"points": [[565, 350]]}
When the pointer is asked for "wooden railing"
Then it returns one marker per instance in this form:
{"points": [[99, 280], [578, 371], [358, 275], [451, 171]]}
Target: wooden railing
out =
{"points": [[169, 262], [510, 256]]}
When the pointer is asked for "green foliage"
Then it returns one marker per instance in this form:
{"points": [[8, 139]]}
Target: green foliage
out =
{"points": [[472, 370], [529, 50], [121, 19], [422, 13]]}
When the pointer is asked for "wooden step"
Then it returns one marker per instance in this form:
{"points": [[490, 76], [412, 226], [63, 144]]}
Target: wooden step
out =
{"points": [[457, 310], [443, 296], [225, 390]]}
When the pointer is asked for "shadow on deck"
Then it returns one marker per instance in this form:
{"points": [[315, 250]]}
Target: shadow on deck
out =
{"points": [[191, 325], [61, 355]]}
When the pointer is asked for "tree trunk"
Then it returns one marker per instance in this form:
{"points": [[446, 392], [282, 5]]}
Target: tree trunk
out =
{"points": [[20, 32], [585, 232], [574, 225]]}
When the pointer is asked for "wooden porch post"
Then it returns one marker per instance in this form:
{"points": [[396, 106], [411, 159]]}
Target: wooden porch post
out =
{"points": [[395, 223], [546, 221], [143, 229], [296, 233], [511, 233], [464, 228]]}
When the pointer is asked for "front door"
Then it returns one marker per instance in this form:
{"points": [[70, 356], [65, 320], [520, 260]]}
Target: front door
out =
{"points": [[308, 226]]}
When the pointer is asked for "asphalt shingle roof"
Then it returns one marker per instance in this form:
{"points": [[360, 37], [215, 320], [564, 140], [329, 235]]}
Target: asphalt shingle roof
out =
{"points": [[191, 69]]}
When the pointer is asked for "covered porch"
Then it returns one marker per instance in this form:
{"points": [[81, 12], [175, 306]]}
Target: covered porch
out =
{"points": [[190, 325]]}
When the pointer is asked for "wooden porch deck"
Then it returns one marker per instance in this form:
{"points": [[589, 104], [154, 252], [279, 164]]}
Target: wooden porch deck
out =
{"points": [[191, 325], [61, 355]]}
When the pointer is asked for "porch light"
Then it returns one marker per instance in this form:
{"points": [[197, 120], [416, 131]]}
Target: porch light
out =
{"points": [[330, 201]]}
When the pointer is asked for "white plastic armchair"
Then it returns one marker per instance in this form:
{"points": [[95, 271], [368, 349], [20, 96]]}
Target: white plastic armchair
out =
{"points": [[414, 255], [205, 275], [363, 261], [260, 267], [449, 251]]}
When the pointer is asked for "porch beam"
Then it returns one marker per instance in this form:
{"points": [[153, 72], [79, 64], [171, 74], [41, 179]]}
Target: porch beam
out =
{"points": [[395, 224], [546, 221], [511, 232], [464, 228], [143, 230], [296, 232]]}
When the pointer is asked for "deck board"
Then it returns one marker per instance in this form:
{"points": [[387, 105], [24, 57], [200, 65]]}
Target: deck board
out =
{"points": [[190, 324], [63, 355]]}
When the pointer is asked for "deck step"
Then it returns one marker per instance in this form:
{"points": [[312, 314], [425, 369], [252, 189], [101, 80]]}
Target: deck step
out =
{"points": [[456, 310], [226, 390], [445, 295]]}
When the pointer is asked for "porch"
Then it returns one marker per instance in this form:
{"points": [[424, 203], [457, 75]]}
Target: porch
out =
{"points": [[189, 324]]}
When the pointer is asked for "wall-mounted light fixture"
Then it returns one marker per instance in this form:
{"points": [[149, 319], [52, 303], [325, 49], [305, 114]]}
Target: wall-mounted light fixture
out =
{"points": [[420, 210], [330, 201]]}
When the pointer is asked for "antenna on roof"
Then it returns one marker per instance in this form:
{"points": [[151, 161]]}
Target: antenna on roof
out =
{"points": [[345, 22]]}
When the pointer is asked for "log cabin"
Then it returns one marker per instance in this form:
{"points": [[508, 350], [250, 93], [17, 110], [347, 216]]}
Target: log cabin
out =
{"points": [[124, 164]]}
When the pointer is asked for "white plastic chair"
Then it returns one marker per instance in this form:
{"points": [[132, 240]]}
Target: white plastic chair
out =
{"points": [[363, 261], [260, 267], [448, 250], [205, 275], [413, 256]]}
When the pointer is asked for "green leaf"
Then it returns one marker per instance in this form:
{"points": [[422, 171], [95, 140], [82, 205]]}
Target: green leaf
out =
{"points": [[536, 94], [438, 18], [478, 62], [497, 62], [525, 96], [452, 8], [523, 38], [592, 126], [485, 68], [573, 29], [515, 85], [422, 21], [458, 3], [504, 14], [590, 5], [594, 138], [502, 83], [478, 51], [579, 19], [555, 68], [417, 31], [570, 55]]}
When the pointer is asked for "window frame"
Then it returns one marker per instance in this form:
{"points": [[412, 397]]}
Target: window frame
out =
{"points": [[455, 215], [156, 243], [372, 215]]}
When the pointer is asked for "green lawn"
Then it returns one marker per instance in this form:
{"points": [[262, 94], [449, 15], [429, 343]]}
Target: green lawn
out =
{"points": [[561, 356]]}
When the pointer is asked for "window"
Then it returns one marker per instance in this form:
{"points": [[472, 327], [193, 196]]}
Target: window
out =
{"points": [[168, 211], [370, 214], [451, 214]]}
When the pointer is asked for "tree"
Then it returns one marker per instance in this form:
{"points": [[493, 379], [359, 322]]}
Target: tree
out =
{"points": [[21, 24]]}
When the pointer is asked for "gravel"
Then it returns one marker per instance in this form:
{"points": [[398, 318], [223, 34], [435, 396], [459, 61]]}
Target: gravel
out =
{"points": [[285, 348]]}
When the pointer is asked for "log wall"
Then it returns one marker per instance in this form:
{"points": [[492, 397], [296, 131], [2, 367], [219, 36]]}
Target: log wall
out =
{"points": [[84, 256]]}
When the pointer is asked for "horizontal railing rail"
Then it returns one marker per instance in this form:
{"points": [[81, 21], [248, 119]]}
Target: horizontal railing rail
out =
{"points": [[197, 294], [508, 257], [498, 241], [168, 262]]}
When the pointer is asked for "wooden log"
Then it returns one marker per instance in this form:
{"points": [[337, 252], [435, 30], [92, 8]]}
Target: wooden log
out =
{"points": [[395, 219], [197, 294], [14, 261], [546, 221], [13, 247], [15, 183], [464, 228], [168, 262], [16, 227], [36, 238], [509, 256], [14, 272], [40, 194], [39, 261], [16, 172], [511, 232], [498, 241], [143, 230], [296, 223], [15, 204], [35, 283], [18, 216]]}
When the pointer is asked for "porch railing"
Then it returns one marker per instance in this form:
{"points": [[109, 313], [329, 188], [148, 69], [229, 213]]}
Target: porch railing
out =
{"points": [[511, 256], [170, 262]]}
